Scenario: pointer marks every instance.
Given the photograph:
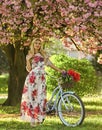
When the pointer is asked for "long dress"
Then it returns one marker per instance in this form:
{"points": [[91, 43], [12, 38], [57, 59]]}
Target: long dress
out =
{"points": [[33, 102]]}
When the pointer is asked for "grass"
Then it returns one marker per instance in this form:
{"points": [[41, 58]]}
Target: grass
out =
{"points": [[50, 123], [10, 116], [14, 123], [3, 83]]}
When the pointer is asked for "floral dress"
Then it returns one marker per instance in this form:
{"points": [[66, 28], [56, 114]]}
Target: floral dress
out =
{"points": [[33, 103]]}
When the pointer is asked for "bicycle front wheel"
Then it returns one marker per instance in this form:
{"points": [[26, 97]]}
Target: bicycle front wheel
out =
{"points": [[71, 110]]}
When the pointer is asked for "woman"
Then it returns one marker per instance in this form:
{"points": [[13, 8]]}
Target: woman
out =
{"points": [[33, 103]]}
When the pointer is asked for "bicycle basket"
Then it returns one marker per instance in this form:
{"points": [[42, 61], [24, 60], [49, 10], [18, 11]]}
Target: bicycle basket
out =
{"points": [[66, 85]]}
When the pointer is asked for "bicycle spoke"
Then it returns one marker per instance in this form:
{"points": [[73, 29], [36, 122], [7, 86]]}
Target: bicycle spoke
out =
{"points": [[70, 110]]}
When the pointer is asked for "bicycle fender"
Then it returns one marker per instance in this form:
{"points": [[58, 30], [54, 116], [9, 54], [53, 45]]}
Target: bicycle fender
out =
{"points": [[69, 92]]}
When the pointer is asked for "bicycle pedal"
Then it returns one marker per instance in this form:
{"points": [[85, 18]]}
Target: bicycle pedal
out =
{"points": [[48, 112], [51, 111]]}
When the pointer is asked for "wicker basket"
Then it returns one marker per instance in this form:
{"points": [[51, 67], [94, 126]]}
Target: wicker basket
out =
{"points": [[67, 85]]}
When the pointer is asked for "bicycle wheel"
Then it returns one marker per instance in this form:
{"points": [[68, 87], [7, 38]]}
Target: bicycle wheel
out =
{"points": [[71, 109]]}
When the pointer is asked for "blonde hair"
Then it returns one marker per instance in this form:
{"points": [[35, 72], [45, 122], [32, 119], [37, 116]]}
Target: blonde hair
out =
{"points": [[31, 51]]}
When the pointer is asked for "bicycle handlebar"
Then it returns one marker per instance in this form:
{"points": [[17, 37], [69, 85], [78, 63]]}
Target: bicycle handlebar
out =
{"points": [[57, 79]]}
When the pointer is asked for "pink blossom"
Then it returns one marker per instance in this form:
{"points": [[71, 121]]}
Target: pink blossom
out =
{"points": [[44, 7], [100, 3], [64, 13], [67, 20], [87, 15], [76, 28], [72, 7], [24, 29], [87, 1], [17, 8], [78, 20], [93, 5], [73, 20], [100, 59], [96, 14], [46, 19], [28, 3], [77, 39], [83, 28], [100, 13]]}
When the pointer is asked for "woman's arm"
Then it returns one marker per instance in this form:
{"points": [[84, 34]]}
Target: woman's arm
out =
{"points": [[55, 68], [28, 63], [50, 64]]}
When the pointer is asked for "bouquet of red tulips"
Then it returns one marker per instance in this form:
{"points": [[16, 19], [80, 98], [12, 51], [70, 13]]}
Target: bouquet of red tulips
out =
{"points": [[69, 77]]}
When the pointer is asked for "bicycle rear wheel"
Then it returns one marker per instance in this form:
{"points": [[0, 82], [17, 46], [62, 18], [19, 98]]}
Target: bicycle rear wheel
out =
{"points": [[71, 110]]}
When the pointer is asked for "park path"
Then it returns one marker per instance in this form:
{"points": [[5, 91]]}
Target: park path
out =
{"points": [[3, 96]]}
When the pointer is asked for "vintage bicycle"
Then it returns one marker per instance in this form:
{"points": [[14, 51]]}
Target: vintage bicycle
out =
{"points": [[67, 104]]}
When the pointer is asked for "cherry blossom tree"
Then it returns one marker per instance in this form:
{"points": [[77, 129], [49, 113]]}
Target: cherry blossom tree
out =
{"points": [[23, 20]]}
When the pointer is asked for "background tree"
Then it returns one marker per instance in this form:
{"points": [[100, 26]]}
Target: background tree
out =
{"points": [[3, 63], [23, 20]]}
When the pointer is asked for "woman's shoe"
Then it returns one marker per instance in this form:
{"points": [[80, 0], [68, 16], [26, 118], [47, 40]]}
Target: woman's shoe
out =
{"points": [[33, 124]]}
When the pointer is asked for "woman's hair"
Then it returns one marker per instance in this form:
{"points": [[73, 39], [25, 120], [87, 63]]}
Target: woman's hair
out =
{"points": [[31, 50]]}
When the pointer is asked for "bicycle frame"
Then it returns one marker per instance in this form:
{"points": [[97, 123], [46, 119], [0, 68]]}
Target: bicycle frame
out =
{"points": [[59, 94]]}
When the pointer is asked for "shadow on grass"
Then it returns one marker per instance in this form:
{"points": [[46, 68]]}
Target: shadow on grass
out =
{"points": [[93, 103], [9, 109], [16, 125], [9, 120]]}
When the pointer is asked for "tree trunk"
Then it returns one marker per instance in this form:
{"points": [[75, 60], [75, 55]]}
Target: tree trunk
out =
{"points": [[17, 74]]}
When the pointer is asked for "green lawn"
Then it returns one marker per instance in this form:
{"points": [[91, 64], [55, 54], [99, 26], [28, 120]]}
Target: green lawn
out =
{"points": [[10, 116], [3, 83], [51, 123]]}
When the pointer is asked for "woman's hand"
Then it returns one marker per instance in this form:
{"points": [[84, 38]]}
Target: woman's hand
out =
{"points": [[28, 68], [62, 71], [28, 63], [29, 56]]}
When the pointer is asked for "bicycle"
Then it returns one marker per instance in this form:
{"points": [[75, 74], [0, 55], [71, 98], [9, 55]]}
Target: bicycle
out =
{"points": [[68, 106]]}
